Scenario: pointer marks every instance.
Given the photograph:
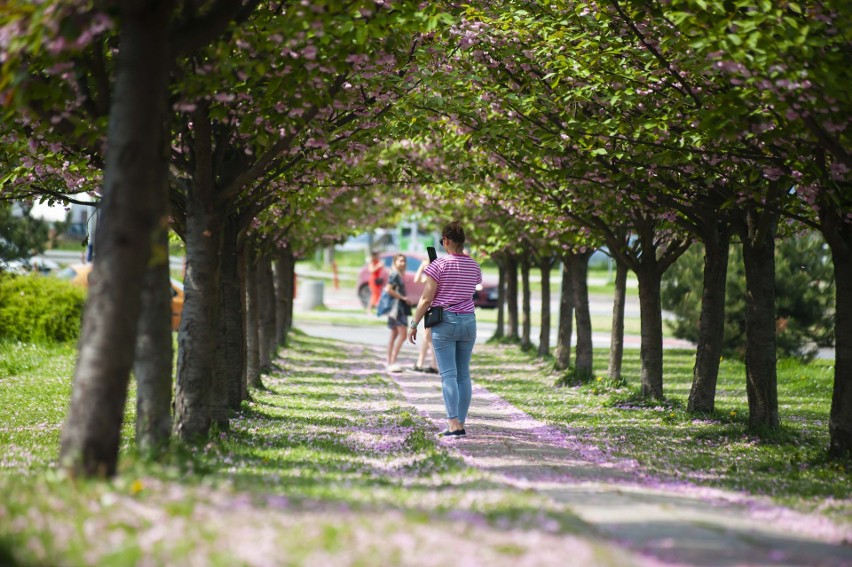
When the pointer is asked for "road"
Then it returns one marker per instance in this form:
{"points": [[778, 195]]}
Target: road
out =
{"points": [[371, 334]]}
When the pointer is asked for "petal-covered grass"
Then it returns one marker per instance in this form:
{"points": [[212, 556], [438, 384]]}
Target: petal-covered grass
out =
{"points": [[611, 423], [326, 466], [330, 466]]}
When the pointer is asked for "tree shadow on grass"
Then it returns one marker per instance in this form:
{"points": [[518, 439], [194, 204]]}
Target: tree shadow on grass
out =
{"points": [[341, 418]]}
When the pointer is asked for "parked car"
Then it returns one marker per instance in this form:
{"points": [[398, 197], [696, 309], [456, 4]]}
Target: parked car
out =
{"points": [[485, 295], [36, 264], [78, 274]]}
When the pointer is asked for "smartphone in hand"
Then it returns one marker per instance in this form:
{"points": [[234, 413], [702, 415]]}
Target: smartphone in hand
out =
{"points": [[432, 254]]}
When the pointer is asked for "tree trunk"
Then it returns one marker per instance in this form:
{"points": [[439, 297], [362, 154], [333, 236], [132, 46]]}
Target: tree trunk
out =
{"points": [[252, 322], [199, 324], [711, 324], [218, 397], [616, 341], [761, 373], [153, 365], [243, 274], [500, 332], [291, 278], [271, 321], [580, 282], [526, 323], [135, 196], [512, 296], [231, 330], [544, 335], [265, 313], [566, 317], [651, 317], [840, 419], [283, 305]]}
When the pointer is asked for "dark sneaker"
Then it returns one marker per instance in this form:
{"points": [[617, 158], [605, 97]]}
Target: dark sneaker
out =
{"points": [[430, 370], [418, 368], [456, 433]]}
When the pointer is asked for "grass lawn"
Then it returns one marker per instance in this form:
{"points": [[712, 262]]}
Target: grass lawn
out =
{"points": [[329, 465], [326, 466]]}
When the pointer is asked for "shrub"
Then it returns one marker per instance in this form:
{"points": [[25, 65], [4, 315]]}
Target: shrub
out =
{"points": [[20, 237], [804, 296], [38, 309]]}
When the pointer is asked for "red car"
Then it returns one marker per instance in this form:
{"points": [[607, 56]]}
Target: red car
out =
{"points": [[485, 297]]}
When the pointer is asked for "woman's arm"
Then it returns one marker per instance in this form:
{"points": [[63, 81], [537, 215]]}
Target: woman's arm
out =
{"points": [[391, 290], [424, 304], [419, 276]]}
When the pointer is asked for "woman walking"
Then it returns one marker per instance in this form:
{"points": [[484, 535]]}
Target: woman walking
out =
{"points": [[451, 283]]}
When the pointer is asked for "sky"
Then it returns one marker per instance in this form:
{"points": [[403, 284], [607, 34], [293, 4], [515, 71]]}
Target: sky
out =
{"points": [[49, 213]]}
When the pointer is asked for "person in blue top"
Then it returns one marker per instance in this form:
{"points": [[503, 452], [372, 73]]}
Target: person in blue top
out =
{"points": [[400, 310], [451, 283]]}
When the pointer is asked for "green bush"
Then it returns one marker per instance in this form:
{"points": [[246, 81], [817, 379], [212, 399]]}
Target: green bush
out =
{"points": [[38, 309], [804, 297], [20, 237]]}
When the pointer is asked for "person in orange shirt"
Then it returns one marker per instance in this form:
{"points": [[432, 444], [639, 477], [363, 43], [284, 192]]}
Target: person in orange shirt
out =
{"points": [[375, 281]]}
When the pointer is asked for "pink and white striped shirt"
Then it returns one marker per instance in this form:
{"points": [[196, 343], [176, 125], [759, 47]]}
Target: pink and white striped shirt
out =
{"points": [[457, 276]]}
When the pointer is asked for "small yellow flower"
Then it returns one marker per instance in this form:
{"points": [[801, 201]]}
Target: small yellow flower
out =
{"points": [[599, 378], [733, 413], [136, 487]]}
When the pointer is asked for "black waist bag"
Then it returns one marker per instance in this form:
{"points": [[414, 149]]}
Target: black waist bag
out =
{"points": [[434, 315]]}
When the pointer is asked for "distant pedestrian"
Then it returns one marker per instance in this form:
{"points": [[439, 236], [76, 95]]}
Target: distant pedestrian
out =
{"points": [[400, 310], [375, 281], [426, 344], [451, 283]]}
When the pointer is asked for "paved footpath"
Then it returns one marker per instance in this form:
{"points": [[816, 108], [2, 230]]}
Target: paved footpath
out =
{"points": [[658, 522]]}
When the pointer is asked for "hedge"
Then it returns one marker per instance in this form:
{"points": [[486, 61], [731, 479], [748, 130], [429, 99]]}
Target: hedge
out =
{"points": [[39, 309]]}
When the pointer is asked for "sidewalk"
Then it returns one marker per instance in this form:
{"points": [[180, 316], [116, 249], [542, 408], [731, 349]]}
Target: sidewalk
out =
{"points": [[660, 522]]}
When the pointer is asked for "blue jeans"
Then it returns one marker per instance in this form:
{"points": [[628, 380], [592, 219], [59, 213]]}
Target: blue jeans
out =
{"points": [[452, 340]]}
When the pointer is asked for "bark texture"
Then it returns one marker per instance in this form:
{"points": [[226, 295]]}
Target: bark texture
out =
{"points": [[512, 297], [284, 267], [500, 332], [243, 272], [616, 349], [135, 195], [544, 336], [711, 324], [651, 349], [837, 231], [580, 281], [840, 418], [758, 239], [153, 365], [265, 313], [197, 340], [231, 330], [566, 317], [252, 322], [526, 323]]}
